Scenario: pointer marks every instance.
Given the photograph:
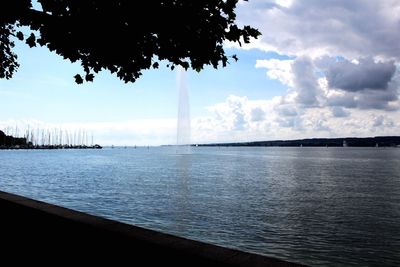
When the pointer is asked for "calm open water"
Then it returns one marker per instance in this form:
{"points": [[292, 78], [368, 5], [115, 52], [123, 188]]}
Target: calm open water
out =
{"points": [[316, 206]]}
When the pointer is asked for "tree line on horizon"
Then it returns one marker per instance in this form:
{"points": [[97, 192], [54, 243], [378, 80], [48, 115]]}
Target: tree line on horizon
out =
{"points": [[10, 141], [377, 141]]}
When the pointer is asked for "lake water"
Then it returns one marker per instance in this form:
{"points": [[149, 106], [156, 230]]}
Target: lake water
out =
{"points": [[316, 206]]}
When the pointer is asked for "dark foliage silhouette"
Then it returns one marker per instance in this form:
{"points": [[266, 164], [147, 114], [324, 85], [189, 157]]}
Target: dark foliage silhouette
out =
{"points": [[123, 36]]}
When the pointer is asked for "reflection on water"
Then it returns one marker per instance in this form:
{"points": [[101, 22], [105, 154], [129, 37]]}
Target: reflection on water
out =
{"points": [[183, 166], [317, 206]]}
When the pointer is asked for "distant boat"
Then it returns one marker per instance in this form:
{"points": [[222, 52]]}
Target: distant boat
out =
{"points": [[344, 143]]}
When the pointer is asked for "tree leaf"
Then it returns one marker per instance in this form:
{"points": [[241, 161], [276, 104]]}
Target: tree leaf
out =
{"points": [[31, 40], [20, 36], [78, 79], [89, 77]]}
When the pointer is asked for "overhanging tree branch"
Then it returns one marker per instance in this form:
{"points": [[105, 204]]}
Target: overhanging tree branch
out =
{"points": [[126, 37]]}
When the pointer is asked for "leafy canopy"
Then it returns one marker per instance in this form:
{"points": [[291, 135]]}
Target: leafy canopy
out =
{"points": [[123, 36]]}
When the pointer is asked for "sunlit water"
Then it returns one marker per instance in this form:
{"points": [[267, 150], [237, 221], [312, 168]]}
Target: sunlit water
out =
{"points": [[316, 206]]}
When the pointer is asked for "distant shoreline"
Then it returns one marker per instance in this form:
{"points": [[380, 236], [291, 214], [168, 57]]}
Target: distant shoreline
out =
{"points": [[27, 147], [9, 142], [378, 141]]}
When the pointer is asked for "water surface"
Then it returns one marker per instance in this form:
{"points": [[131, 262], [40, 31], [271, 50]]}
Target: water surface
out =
{"points": [[316, 206]]}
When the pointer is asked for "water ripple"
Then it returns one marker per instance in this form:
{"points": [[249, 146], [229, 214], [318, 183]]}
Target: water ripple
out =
{"points": [[321, 207]]}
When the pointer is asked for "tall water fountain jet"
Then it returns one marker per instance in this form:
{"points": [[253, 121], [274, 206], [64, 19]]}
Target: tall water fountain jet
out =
{"points": [[183, 127]]}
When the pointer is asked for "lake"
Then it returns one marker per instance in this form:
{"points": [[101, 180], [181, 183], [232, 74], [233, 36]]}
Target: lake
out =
{"points": [[316, 206]]}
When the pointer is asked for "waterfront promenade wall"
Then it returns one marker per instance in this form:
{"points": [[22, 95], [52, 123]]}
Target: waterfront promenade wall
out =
{"points": [[34, 232]]}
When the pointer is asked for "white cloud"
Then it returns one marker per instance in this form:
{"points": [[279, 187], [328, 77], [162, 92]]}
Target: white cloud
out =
{"points": [[280, 70], [344, 54], [339, 112], [257, 114], [305, 82], [236, 119], [232, 112], [351, 29], [320, 82], [284, 3], [287, 110], [289, 121]]}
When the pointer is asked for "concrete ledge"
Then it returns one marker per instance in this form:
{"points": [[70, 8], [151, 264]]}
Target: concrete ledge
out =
{"points": [[42, 233]]}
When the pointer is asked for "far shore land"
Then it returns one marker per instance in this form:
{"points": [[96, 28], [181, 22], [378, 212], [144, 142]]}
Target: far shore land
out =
{"points": [[10, 142], [378, 141]]}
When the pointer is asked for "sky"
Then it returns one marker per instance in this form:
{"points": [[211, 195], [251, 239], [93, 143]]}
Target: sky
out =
{"points": [[320, 69]]}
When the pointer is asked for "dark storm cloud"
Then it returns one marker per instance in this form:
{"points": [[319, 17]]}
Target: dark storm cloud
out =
{"points": [[377, 99], [367, 74]]}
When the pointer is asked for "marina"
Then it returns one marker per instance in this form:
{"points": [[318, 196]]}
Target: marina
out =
{"points": [[46, 139]]}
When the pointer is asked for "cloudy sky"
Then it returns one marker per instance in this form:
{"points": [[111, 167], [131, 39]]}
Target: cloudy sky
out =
{"points": [[320, 69]]}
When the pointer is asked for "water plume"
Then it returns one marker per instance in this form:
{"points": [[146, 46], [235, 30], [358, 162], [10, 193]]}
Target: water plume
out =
{"points": [[183, 125]]}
